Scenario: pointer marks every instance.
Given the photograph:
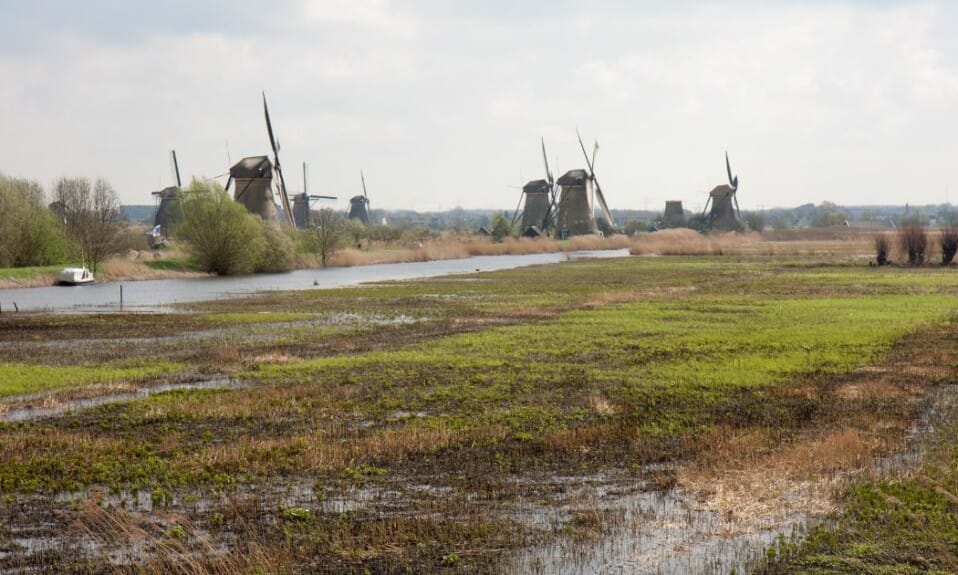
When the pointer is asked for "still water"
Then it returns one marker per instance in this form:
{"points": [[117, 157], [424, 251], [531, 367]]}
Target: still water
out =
{"points": [[158, 295]]}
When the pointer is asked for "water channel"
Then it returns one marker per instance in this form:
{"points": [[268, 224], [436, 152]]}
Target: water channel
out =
{"points": [[160, 295]]}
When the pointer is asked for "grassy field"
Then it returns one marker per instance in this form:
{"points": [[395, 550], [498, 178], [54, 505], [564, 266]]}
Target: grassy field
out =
{"points": [[410, 426]]}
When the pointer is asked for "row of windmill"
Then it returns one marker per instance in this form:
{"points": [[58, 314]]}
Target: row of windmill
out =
{"points": [[560, 207], [567, 206], [256, 182]]}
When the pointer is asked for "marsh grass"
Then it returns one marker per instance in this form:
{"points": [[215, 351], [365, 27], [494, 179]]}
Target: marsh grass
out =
{"points": [[587, 366]]}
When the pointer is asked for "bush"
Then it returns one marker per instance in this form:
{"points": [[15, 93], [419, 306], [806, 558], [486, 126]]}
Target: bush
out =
{"points": [[882, 249], [277, 254], [949, 244], [914, 243], [224, 238]]}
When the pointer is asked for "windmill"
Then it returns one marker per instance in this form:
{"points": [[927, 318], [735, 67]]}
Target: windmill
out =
{"points": [[724, 213], [359, 205], [539, 198], [303, 203], [168, 211], [580, 192]]}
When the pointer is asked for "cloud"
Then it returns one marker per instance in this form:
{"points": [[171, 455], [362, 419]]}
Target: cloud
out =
{"points": [[447, 104]]}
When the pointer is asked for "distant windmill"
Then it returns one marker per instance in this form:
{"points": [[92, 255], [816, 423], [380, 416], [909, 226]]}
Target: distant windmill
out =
{"points": [[359, 205], [540, 199], [724, 214], [580, 192], [303, 203], [168, 213]]}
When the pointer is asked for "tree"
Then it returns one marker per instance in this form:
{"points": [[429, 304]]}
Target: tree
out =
{"points": [[224, 238], [29, 233], [323, 239], [91, 216], [755, 221], [501, 227]]}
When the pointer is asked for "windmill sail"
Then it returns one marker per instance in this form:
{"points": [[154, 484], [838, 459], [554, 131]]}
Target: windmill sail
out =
{"points": [[284, 198]]}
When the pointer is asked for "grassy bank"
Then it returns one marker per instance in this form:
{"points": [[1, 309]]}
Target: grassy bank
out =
{"points": [[406, 426]]}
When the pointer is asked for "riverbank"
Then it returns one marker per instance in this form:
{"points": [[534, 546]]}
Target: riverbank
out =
{"points": [[174, 263]]}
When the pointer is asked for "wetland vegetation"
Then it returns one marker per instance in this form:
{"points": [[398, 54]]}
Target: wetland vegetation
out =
{"points": [[453, 424]]}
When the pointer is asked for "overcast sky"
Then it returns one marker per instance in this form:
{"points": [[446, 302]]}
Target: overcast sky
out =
{"points": [[442, 103]]}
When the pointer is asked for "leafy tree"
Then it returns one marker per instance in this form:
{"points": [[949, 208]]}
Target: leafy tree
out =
{"points": [[224, 238], [91, 216], [29, 233], [500, 226]]}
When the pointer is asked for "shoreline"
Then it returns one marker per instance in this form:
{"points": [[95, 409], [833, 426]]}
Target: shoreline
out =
{"points": [[133, 267]]}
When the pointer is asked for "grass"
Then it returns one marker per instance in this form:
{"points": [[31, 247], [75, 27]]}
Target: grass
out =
{"points": [[497, 381], [21, 379]]}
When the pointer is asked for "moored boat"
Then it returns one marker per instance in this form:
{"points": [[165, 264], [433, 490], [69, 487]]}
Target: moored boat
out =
{"points": [[75, 276]]}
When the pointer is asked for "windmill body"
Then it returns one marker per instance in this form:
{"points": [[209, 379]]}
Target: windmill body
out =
{"points": [[359, 205], [358, 210], [168, 212], [538, 201], [252, 180], [301, 215], [574, 215], [722, 216], [674, 216]]}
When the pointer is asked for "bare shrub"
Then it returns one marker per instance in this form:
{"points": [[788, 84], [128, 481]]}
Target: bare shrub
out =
{"points": [[324, 237], [913, 240], [948, 241], [91, 214], [882, 249]]}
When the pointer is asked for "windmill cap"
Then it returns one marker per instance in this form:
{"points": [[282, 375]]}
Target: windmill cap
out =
{"points": [[573, 178], [252, 168], [536, 186]]}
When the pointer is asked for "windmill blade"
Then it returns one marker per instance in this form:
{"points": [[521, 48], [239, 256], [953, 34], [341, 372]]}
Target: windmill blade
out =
{"points": [[732, 181], [269, 129], [176, 169], [738, 212], [305, 180], [706, 208], [515, 214], [545, 160], [584, 153], [595, 150], [365, 195], [604, 208], [284, 198]]}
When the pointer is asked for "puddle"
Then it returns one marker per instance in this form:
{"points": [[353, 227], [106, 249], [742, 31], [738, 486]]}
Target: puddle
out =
{"points": [[30, 413], [674, 532]]}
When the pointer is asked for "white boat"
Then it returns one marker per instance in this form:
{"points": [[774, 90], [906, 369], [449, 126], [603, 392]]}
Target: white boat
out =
{"points": [[74, 276]]}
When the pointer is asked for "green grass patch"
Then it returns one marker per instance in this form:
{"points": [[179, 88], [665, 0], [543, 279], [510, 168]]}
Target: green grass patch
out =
{"points": [[19, 379], [173, 264]]}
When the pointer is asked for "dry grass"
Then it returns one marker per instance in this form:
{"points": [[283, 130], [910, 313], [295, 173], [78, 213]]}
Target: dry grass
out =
{"points": [[827, 243], [452, 247]]}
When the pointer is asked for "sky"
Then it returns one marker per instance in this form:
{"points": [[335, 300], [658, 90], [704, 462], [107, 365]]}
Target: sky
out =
{"points": [[442, 104]]}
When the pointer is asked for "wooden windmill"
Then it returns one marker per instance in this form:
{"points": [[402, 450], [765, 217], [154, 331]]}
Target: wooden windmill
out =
{"points": [[540, 200], [724, 214], [580, 194], [359, 205]]}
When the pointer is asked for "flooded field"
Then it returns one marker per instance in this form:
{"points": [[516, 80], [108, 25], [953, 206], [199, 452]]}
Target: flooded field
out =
{"points": [[631, 415]]}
